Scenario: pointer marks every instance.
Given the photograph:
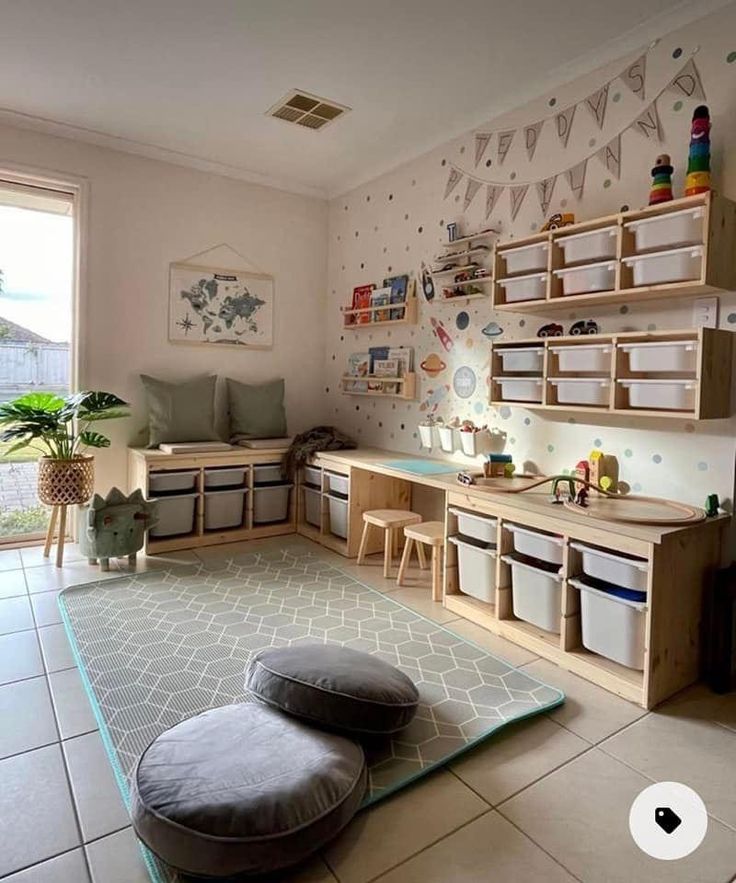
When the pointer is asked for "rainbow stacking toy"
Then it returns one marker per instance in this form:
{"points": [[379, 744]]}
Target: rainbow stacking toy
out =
{"points": [[697, 179], [661, 189]]}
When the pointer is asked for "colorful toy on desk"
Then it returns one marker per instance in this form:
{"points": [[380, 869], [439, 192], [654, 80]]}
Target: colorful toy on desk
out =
{"points": [[496, 466], [712, 505], [603, 470], [697, 179], [661, 189]]}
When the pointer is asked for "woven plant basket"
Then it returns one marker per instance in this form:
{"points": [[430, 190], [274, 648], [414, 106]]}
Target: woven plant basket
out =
{"points": [[66, 482]]}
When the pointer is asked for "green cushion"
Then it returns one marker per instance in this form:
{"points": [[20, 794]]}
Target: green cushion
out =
{"points": [[180, 412], [256, 411]]}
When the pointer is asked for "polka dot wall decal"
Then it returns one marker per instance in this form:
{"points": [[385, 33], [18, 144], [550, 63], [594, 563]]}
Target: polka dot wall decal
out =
{"points": [[462, 149], [571, 420], [552, 102], [676, 53], [651, 327], [677, 105], [623, 310], [702, 466], [592, 142], [488, 163], [616, 97], [390, 197], [657, 458], [522, 323], [362, 267], [444, 162], [420, 229], [478, 407], [368, 198], [597, 443], [689, 427], [442, 222], [636, 487], [607, 183], [731, 57], [406, 217], [413, 182], [504, 412], [731, 319], [463, 320], [513, 176], [628, 453], [527, 421], [563, 203], [624, 208], [403, 425], [533, 226], [457, 198], [550, 448], [512, 440]]}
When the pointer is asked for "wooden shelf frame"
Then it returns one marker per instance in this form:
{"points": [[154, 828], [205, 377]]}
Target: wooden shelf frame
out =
{"points": [[443, 278], [409, 317], [407, 386]]}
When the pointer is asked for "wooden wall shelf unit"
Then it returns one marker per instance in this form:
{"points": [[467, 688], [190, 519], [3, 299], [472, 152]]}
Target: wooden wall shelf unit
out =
{"points": [[715, 233], [702, 378], [407, 386], [464, 256], [352, 317]]}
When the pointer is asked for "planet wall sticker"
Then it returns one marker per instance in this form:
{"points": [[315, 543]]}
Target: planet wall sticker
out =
{"points": [[433, 365], [464, 382]]}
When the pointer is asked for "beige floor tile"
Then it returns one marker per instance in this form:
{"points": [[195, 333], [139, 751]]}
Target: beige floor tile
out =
{"points": [[26, 716], [488, 849], [154, 562], [12, 584], [421, 601], [117, 858], [495, 644], [73, 711], [57, 652], [516, 757], [67, 868], [701, 703], [15, 615], [697, 753], [20, 657], [32, 556], [46, 608], [10, 560], [580, 813], [589, 711]]}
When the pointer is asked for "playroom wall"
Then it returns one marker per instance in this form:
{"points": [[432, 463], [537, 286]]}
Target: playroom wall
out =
{"points": [[143, 214], [393, 223]]}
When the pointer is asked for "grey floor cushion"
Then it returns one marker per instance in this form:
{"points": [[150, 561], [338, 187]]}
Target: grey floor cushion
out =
{"points": [[334, 686], [244, 789]]}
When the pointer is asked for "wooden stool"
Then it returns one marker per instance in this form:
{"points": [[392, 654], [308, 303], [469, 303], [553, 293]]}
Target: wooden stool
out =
{"points": [[430, 533], [390, 521]]}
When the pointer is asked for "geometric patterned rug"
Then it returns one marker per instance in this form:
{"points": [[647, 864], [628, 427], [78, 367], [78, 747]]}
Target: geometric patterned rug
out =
{"points": [[157, 647]]}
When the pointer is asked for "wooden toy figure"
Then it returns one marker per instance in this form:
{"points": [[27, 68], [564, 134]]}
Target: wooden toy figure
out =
{"points": [[603, 466], [697, 179], [661, 189]]}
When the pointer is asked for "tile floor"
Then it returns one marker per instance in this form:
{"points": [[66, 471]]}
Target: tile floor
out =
{"points": [[547, 800]]}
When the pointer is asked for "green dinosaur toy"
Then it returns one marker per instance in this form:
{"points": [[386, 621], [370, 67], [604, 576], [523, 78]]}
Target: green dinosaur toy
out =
{"points": [[115, 526]]}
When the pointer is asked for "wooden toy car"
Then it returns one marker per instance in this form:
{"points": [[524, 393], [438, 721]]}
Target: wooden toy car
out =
{"points": [[560, 219], [584, 326], [551, 330]]}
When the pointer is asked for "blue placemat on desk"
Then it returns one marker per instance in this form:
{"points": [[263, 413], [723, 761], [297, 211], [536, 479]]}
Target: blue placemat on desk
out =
{"points": [[420, 467]]}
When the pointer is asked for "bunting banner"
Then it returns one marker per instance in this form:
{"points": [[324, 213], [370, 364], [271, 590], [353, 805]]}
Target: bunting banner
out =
{"points": [[493, 193], [471, 188], [531, 136], [452, 182], [647, 123], [563, 123], [687, 82], [610, 156], [517, 195], [596, 103], [576, 178], [481, 145], [634, 76], [544, 192], [504, 144]]}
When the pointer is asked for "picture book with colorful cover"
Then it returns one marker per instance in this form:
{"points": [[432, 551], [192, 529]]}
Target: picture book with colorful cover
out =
{"points": [[361, 301], [384, 368], [359, 365], [381, 297], [399, 291], [403, 355]]}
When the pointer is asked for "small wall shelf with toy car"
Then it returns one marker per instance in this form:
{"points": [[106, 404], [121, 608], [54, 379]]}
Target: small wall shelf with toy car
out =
{"points": [[463, 271], [684, 374], [680, 248]]}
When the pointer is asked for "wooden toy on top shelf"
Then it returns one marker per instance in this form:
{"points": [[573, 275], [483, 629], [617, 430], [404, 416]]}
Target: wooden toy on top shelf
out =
{"points": [[697, 179], [661, 189]]}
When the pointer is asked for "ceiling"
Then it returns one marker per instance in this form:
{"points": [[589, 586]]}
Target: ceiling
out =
{"points": [[190, 80]]}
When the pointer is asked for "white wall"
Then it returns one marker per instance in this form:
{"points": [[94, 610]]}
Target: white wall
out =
{"points": [[143, 214]]}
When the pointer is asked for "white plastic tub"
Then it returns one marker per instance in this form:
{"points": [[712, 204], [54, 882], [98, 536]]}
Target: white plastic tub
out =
{"points": [[473, 444], [338, 515], [167, 482], [662, 395], [665, 231], [517, 288], [230, 476], [312, 505], [267, 473], [271, 503], [175, 515], [587, 278], [581, 390], [543, 546], [477, 569], [447, 438], [312, 476], [590, 357], [611, 626], [617, 569], [536, 594], [426, 435], [658, 267], [477, 527], [337, 483], [527, 258], [662, 355], [593, 245], [223, 509], [522, 358], [520, 389]]}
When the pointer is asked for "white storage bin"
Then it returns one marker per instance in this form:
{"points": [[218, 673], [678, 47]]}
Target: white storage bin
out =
{"points": [[166, 482], [447, 438], [175, 515], [337, 484], [473, 444], [338, 516], [536, 594], [591, 357], [224, 509], [520, 389], [593, 245], [267, 473], [665, 231], [426, 435], [588, 278], [312, 476], [517, 288], [230, 476], [611, 626], [617, 569], [522, 358], [658, 267], [527, 258], [477, 569], [537, 545], [477, 527], [271, 503], [581, 390], [662, 355], [312, 506], [662, 395]]}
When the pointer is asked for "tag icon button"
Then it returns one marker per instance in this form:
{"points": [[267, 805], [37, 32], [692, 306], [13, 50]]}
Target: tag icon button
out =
{"points": [[667, 819]]}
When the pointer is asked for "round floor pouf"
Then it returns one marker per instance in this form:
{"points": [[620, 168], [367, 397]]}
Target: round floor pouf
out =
{"points": [[244, 789]]}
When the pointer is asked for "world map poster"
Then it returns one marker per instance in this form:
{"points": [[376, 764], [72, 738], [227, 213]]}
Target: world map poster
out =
{"points": [[219, 306]]}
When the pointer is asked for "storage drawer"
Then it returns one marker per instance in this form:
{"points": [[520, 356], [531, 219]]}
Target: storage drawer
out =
{"points": [[661, 395], [338, 507], [476, 569], [312, 505], [527, 258], [662, 355], [477, 527], [170, 482], [545, 547], [593, 245], [656, 268], [587, 278], [271, 503], [312, 475], [536, 594], [223, 509], [337, 483], [225, 476], [521, 358], [612, 626], [617, 569], [665, 231], [520, 389], [590, 357], [267, 473], [473, 444], [518, 288], [447, 438], [175, 515], [581, 390]]}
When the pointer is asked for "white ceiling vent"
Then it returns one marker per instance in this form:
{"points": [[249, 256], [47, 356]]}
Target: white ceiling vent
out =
{"points": [[307, 110]]}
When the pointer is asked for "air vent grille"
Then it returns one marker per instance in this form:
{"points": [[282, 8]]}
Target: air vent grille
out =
{"points": [[308, 111]]}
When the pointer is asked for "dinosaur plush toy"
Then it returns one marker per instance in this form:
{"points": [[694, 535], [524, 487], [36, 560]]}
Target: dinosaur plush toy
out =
{"points": [[115, 526]]}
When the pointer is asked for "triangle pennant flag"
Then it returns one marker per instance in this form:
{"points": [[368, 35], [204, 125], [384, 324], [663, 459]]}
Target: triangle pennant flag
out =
{"points": [[471, 189], [504, 143], [563, 123], [531, 136], [452, 181], [544, 192], [596, 104], [647, 123], [517, 195], [576, 178], [610, 156], [635, 75], [687, 82], [493, 192], [481, 145]]}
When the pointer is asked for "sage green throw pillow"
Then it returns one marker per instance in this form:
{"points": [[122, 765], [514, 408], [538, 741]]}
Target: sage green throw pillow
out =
{"points": [[180, 412], [256, 411]]}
